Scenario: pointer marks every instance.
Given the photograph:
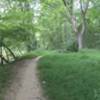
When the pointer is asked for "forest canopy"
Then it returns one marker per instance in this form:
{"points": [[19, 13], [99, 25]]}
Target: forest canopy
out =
{"points": [[65, 25]]}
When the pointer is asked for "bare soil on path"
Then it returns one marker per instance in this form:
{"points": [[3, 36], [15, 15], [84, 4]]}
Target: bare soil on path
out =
{"points": [[26, 85]]}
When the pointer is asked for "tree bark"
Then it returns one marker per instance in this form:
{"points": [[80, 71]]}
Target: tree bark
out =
{"points": [[1, 56], [80, 41], [3, 59], [7, 55], [10, 51], [79, 32]]}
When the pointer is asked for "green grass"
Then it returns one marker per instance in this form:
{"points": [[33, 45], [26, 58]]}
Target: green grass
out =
{"points": [[6, 74], [73, 76], [64, 76], [36, 53]]}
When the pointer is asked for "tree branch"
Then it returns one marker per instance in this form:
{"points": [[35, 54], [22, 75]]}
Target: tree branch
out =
{"points": [[3, 59], [9, 50], [84, 10]]}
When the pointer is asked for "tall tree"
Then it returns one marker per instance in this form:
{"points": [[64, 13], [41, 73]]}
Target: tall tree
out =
{"points": [[78, 28]]}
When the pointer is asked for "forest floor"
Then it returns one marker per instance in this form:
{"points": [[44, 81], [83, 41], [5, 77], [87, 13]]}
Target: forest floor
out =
{"points": [[25, 85]]}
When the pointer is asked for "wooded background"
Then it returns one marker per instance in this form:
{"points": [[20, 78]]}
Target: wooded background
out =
{"points": [[62, 25]]}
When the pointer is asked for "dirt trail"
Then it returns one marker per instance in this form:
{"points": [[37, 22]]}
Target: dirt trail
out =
{"points": [[26, 85]]}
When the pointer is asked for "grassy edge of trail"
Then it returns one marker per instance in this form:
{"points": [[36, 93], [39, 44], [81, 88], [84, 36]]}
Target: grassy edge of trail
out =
{"points": [[57, 74], [6, 75], [73, 76]]}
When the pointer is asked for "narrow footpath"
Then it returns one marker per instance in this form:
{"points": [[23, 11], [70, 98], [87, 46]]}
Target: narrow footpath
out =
{"points": [[26, 85]]}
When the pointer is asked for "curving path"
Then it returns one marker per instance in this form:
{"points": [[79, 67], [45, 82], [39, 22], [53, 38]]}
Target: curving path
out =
{"points": [[26, 85]]}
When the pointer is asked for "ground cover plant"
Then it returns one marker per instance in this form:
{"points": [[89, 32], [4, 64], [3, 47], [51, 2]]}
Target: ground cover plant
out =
{"points": [[73, 76], [6, 74]]}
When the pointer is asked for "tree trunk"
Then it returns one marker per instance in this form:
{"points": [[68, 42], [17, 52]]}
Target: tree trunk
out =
{"points": [[77, 30], [80, 41], [1, 56], [10, 51], [7, 55]]}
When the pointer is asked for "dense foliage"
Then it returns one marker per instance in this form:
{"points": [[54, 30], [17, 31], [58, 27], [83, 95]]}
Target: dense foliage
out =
{"points": [[49, 24], [73, 76]]}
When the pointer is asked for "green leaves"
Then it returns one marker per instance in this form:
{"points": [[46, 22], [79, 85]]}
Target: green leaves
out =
{"points": [[16, 23]]}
